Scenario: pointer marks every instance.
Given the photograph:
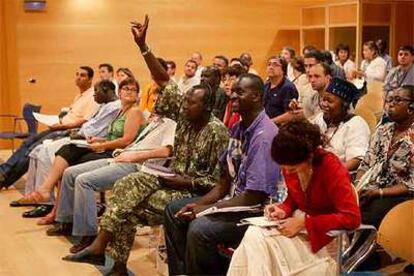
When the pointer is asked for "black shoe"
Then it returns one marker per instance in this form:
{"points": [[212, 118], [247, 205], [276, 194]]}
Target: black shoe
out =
{"points": [[60, 229], [100, 209], [85, 242], [409, 268], [86, 257], [38, 212]]}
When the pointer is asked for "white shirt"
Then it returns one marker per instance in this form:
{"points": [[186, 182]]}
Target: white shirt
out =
{"points": [[349, 140], [186, 83], [348, 66], [200, 69], [374, 70]]}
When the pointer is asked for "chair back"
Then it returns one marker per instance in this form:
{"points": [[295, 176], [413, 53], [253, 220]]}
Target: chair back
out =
{"points": [[396, 232], [30, 120]]}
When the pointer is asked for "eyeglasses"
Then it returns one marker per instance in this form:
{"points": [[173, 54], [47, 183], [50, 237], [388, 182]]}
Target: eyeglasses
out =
{"points": [[127, 89], [396, 100]]}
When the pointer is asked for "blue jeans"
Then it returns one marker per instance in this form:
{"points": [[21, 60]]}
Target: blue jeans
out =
{"points": [[77, 196], [192, 246], [17, 165]]}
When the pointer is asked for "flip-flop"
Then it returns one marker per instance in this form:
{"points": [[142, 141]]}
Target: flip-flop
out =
{"points": [[32, 199]]}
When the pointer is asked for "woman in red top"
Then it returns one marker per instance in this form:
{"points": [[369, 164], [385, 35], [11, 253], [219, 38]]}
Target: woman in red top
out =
{"points": [[320, 199]]}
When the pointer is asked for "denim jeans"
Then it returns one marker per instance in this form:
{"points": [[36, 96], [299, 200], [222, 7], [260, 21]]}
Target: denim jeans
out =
{"points": [[77, 197], [192, 246]]}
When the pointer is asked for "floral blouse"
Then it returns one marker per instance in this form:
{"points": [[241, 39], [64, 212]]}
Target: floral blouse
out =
{"points": [[397, 159]]}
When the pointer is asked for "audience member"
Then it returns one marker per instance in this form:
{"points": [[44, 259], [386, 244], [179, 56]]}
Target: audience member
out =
{"points": [[336, 71], [237, 61], [278, 91], [373, 67], [320, 199], [300, 79], [247, 178], [171, 67], [230, 76], [288, 53], [403, 73], [221, 63], [76, 213], [106, 72], [123, 73], [198, 58], [247, 62], [386, 175], [346, 135], [211, 77], [343, 53], [82, 108], [121, 132], [308, 48], [41, 157], [382, 47], [141, 197], [189, 79]]}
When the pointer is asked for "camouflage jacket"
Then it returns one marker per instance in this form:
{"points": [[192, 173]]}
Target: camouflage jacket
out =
{"points": [[169, 101], [197, 153]]}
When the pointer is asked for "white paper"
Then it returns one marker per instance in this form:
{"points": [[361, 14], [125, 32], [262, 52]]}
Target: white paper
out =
{"points": [[80, 143], [157, 170], [214, 210], [48, 120], [260, 222]]}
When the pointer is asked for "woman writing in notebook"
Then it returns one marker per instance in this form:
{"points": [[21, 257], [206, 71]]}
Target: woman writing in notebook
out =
{"points": [[320, 199]]}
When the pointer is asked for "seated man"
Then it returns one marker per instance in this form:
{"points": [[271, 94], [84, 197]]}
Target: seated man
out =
{"points": [[279, 91], [42, 156], [141, 197], [82, 108], [79, 183], [248, 177], [211, 76], [189, 79]]}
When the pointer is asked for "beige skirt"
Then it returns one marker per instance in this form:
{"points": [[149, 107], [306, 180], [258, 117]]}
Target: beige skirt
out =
{"points": [[268, 253]]}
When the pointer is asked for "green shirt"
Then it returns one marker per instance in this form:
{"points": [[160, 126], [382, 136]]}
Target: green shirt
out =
{"points": [[169, 101], [197, 153]]}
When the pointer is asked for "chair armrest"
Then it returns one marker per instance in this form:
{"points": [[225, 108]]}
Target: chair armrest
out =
{"points": [[17, 119], [336, 233], [8, 115]]}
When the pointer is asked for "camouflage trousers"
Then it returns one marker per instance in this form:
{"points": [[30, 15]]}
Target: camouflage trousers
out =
{"points": [[137, 199]]}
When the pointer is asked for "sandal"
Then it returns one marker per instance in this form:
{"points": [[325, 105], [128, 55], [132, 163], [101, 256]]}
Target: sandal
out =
{"points": [[32, 199], [38, 212]]}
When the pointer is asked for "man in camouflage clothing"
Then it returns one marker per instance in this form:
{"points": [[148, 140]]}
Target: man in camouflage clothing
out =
{"points": [[141, 197]]}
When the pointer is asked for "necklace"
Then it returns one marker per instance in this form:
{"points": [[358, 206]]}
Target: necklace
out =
{"points": [[305, 179]]}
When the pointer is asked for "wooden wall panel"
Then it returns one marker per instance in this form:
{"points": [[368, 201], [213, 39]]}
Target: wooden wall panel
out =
{"points": [[376, 13], [313, 16], [346, 14], [344, 35], [404, 25], [315, 37], [53, 44], [9, 94]]}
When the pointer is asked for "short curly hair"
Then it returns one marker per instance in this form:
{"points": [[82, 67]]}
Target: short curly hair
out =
{"points": [[295, 142]]}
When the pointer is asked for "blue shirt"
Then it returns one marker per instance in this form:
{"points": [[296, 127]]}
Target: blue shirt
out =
{"points": [[247, 158], [98, 124], [276, 100]]}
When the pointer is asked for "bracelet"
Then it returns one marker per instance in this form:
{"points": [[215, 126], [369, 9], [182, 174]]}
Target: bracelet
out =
{"points": [[381, 192], [146, 52]]}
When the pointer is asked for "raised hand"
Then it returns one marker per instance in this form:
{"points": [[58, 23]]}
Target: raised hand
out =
{"points": [[139, 31]]}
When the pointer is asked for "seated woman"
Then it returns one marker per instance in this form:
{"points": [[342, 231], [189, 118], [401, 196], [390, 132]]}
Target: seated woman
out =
{"points": [[122, 132], [373, 67], [347, 134], [343, 53], [386, 175], [322, 198]]}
